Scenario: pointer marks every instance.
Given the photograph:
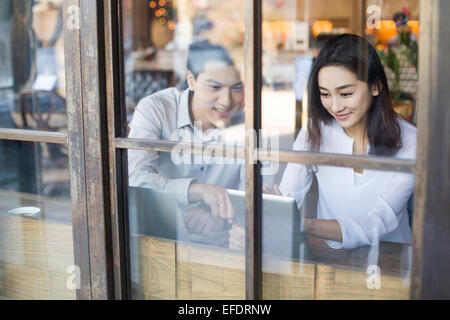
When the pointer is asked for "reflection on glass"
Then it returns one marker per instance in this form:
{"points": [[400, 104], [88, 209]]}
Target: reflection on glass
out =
{"points": [[32, 80], [36, 247]]}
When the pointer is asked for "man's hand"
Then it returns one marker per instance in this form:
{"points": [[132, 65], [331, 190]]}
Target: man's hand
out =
{"points": [[237, 237], [276, 191], [201, 222], [215, 197]]}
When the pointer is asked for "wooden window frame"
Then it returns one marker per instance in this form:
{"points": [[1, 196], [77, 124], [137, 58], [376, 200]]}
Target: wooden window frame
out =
{"points": [[98, 151]]}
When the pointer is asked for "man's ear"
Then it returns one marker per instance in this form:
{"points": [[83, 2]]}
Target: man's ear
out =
{"points": [[376, 88], [190, 80]]}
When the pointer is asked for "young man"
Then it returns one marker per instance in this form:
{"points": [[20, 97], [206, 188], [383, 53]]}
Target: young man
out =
{"points": [[213, 101]]}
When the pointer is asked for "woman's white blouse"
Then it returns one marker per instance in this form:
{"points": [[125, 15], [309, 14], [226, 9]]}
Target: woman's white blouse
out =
{"points": [[369, 211]]}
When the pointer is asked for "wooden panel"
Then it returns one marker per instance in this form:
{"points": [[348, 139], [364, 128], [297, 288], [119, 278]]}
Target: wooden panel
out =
{"points": [[34, 242], [95, 146], [35, 252], [33, 135], [325, 283], [2, 283], [175, 270], [74, 103], [212, 282], [253, 185], [430, 278], [286, 279], [325, 9], [34, 257], [157, 268], [25, 282], [217, 273], [353, 286], [183, 268], [118, 172], [58, 287], [348, 161]]}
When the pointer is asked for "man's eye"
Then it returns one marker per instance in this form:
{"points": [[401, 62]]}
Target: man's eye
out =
{"points": [[215, 87], [237, 89]]}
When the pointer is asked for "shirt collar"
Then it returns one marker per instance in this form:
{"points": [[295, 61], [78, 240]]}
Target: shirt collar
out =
{"points": [[183, 117], [346, 137], [341, 130]]}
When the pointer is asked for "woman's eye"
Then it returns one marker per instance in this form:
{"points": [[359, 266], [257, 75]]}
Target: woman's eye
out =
{"points": [[325, 95], [348, 94]]}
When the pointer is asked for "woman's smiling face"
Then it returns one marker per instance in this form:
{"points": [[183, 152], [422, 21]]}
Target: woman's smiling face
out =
{"points": [[345, 97]]}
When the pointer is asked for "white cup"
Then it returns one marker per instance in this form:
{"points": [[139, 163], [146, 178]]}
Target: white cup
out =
{"points": [[26, 211]]}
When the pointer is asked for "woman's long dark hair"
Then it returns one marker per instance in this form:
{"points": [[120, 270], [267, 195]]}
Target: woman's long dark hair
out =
{"points": [[357, 55]]}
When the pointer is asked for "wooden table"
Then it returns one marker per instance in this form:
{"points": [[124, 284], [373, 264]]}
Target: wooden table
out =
{"points": [[176, 270], [35, 252]]}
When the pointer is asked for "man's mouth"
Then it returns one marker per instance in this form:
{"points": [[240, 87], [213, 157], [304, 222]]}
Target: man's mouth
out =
{"points": [[223, 112]]}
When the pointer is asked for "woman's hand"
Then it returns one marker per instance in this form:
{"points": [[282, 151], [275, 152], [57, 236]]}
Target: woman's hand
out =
{"points": [[325, 229], [215, 197], [237, 237], [201, 222]]}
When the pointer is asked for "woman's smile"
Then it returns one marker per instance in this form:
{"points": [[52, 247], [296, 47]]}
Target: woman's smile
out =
{"points": [[343, 116]]}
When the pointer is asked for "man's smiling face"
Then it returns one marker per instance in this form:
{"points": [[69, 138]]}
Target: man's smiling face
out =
{"points": [[218, 94]]}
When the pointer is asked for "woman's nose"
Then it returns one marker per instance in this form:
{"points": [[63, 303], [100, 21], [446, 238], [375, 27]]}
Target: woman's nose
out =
{"points": [[337, 105]]}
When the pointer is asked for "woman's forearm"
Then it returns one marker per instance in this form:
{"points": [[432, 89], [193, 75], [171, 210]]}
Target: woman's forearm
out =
{"points": [[325, 229]]}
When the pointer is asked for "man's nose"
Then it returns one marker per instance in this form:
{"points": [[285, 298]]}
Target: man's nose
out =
{"points": [[225, 97]]}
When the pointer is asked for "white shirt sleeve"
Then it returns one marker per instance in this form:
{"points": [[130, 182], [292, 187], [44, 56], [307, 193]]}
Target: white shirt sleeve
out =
{"points": [[296, 179], [385, 215], [143, 168]]}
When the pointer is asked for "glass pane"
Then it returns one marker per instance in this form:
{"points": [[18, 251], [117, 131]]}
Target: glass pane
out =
{"points": [[184, 68], [348, 239], [164, 42], [181, 219], [295, 32], [345, 232], [36, 247], [32, 76]]}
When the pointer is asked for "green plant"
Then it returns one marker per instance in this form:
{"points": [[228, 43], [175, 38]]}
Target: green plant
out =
{"points": [[407, 47], [392, 61]]}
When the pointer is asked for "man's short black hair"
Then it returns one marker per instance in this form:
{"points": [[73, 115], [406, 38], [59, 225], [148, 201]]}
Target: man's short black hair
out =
{"points": [[202, 52]]}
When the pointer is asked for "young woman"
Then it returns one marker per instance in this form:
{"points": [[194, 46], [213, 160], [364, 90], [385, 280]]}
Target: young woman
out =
{"points": [[351, 112]]}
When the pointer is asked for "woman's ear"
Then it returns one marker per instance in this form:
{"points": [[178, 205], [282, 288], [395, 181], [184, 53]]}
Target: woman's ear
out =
{"points": [[190, 78], [376, 88]]}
